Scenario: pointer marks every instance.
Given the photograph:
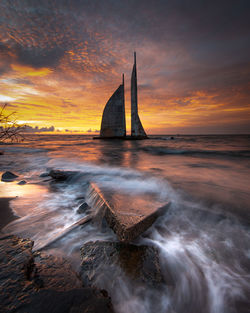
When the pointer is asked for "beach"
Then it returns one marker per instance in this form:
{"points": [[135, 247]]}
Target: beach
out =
{"points": [[200, 245]]}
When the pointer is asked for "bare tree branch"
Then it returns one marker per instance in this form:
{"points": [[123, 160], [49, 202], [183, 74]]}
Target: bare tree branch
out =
{"points": [[10, 130]]}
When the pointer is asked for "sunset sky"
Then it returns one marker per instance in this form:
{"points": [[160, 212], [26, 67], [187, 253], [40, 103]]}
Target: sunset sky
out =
{"points": [[60, 61]]}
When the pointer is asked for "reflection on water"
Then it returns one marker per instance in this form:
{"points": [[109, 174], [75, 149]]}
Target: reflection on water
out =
{"points": [[203, 239], [26, 196]]}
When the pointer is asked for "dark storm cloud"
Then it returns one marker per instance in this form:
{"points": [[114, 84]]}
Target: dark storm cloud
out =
{"points": [[40, 32], [40, 57], [4, 59]]}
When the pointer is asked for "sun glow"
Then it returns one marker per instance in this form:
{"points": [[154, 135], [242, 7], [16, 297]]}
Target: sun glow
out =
{"points": [[30, 71], [4, 98]]}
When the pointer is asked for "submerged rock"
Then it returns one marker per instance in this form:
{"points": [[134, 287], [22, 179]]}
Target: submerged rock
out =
{"points": [[44, 175], [61, 175], [37, 283], [9, 176], [139, 263], [83, 208], [22, 182], [80, 198]]}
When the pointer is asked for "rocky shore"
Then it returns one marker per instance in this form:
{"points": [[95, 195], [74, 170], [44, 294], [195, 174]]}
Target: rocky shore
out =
{"points": [[37, 283], [33, 282]]}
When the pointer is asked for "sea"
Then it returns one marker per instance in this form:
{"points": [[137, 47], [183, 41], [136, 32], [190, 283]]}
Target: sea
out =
{"points": [[203, 238]]}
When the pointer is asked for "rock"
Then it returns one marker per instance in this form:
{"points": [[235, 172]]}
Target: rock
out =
{"points": [[44, 175], [127, 214], [8, 176], [80, 198], [37, 283], [82, 300], [61, 175], [22, 182], [1, 153], [6, 214], [139, 263], [172, 138], [83, 208]]}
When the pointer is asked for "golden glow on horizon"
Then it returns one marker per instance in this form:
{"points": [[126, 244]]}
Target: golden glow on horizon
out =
{"points": [[73, 101]]}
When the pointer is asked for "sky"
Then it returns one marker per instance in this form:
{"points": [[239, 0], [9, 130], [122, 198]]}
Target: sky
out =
{"points": [[61, 60]]}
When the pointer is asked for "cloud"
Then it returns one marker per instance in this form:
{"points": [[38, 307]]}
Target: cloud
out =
{"points": [[92, 131], [74, 52], [36, 129]]}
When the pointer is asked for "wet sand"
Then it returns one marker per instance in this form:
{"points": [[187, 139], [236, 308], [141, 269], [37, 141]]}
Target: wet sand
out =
{"points": [[6, 215]]}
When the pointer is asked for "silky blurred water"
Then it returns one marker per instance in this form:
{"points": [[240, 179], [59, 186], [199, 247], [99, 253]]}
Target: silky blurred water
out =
{"points": [[203, 239]]}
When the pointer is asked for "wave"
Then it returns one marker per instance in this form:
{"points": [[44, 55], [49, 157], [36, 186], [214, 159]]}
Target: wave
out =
{"points": [[24, 150], [207, 267], [165, 151]]}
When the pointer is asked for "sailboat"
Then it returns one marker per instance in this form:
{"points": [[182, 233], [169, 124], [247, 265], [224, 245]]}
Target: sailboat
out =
{"points": [[113, 124]]}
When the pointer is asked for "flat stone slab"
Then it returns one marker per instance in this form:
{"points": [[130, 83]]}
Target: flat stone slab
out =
{"points": [[127, 214]]}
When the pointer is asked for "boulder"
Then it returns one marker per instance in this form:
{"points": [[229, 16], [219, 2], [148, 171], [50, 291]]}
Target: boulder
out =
{"points": [[139, 263], [22, 182], [8, 176], [37, 283], [128, 215]]}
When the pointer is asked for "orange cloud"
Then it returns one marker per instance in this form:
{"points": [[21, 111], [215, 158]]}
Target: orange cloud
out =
{"points": [[30, 71]]}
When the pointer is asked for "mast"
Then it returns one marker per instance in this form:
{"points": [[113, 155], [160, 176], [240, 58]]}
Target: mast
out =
{"points": [[113, 117], [136, 126]]}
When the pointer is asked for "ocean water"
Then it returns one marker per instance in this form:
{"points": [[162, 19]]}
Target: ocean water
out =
{"points": [[203, 239]]}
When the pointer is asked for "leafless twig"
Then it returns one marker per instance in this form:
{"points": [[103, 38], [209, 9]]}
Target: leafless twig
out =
{"points": [[10, 130]]}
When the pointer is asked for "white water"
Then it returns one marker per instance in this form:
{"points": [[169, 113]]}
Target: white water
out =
{"points": [[203, 248]]}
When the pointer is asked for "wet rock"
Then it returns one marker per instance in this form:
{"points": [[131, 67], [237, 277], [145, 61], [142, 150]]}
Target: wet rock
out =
{"points": [[16, 260], [83, 208], [128, 215], [34, 282], [8, 176], [61, 175], [80, 198], [84, 300], [139, 263], [6, 214], [22, 182], [44, 175]]}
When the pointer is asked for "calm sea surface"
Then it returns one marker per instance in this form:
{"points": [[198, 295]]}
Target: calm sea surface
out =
{"points": [[203, 239]]}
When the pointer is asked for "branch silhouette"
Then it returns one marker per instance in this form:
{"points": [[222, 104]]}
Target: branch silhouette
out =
{"points": [[10, 130]]}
